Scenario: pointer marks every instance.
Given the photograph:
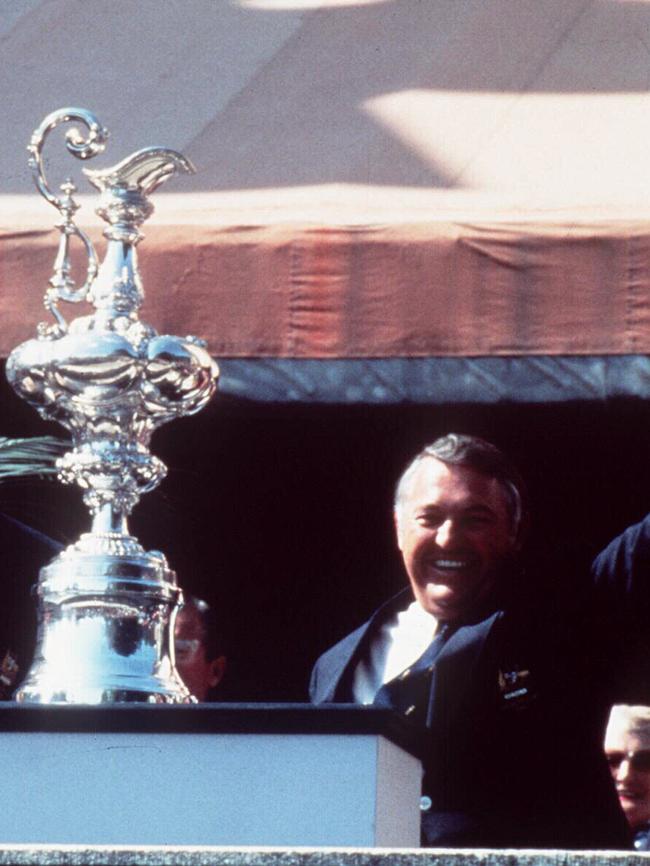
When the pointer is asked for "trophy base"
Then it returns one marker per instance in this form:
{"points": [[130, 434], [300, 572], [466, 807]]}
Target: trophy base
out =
{"points": [[37, 691], [105, 631]]}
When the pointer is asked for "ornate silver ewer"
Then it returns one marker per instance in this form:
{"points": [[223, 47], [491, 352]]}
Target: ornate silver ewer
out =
{"points": [[107, 606]]}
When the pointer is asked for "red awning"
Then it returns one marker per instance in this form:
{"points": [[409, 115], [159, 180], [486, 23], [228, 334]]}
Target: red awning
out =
{"points": [[376, 178], [427, 289]]}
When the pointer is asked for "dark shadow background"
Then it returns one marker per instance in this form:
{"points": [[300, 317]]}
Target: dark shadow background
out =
{"points": [[280, 515]]}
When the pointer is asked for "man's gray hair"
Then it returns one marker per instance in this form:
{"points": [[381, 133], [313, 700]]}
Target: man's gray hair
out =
{"points": [[458, 449]]}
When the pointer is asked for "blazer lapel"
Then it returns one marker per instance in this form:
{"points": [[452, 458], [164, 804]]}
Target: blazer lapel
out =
{"points": [[331, 670], [336, 666]]}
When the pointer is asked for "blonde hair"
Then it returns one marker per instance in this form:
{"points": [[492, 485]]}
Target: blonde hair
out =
{"points": [[632, 718]]}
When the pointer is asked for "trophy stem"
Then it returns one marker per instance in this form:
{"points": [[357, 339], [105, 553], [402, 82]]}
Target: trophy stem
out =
{"points": [[117, 290], [109, 520]]}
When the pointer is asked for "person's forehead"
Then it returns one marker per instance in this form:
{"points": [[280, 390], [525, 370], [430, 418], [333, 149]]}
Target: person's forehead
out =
{"points": [[434, 481], [189, 622]]}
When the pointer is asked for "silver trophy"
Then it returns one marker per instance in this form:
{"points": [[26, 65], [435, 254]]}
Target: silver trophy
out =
{"points": [[106, 607]]}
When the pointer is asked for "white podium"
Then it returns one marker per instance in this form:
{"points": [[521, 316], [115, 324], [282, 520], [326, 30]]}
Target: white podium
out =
{"points": [[255, 774]]}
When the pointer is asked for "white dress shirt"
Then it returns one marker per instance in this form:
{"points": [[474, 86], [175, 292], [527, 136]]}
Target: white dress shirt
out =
{"points": [[400, 642]]}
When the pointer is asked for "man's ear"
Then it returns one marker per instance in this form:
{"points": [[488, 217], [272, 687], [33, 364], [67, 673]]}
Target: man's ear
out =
{"points": [[217, 670], [520, 534]]}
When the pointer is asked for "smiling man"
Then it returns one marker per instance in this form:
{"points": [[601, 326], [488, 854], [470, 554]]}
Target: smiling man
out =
{"points": [[455, 528], [497, 673]]}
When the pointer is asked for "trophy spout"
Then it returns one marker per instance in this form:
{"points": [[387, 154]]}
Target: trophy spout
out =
{"points": [[142, 172]]}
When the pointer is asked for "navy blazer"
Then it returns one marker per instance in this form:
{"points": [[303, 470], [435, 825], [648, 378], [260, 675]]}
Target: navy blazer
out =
{"points": [[514, 714]]}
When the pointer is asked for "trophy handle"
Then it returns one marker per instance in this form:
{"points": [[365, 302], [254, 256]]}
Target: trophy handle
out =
{"points": [[61, 284]]}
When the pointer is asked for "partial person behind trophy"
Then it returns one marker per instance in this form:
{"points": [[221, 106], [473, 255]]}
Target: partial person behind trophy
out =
{"points": [[627, 746], [200, 658]]}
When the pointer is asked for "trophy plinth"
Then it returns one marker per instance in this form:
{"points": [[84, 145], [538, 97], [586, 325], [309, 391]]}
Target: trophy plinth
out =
{"points": [[106, 606]]}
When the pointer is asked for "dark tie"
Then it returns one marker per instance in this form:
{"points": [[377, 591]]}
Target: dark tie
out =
{"points": [[408, 693]]}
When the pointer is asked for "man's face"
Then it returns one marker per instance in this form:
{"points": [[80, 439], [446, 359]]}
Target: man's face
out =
{"points": [[197, 672], [455, 533], [628, 754]]}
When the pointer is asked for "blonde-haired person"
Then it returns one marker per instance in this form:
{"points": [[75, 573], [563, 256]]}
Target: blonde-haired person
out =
{"points": [[627, 747]]}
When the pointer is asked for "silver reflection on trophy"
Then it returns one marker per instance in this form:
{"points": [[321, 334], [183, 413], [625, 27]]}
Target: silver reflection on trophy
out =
{"points": [[106, 607]]}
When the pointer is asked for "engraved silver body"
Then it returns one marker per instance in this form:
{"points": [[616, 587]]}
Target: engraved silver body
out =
{"points": [[106, 606]]}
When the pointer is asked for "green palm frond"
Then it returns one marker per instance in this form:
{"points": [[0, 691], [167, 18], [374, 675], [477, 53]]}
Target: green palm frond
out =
{"points": [[30, 457]]}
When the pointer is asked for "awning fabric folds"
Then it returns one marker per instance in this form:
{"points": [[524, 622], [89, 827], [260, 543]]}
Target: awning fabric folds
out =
{"points": [[437, 289], [394, 199]]}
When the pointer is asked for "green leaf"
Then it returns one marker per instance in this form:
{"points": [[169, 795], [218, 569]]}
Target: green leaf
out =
{"points": [[30, 457]]}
